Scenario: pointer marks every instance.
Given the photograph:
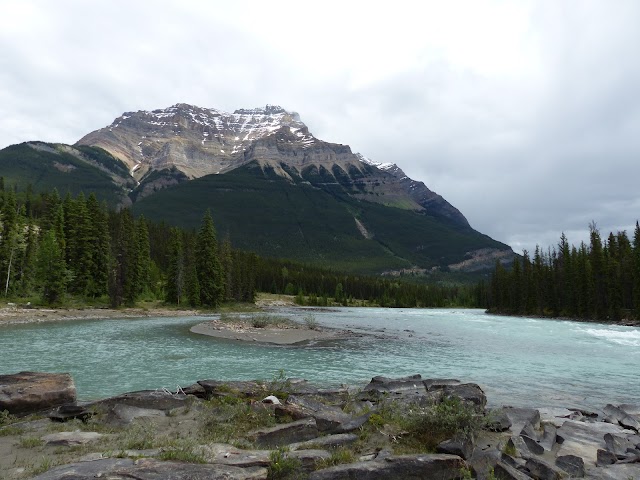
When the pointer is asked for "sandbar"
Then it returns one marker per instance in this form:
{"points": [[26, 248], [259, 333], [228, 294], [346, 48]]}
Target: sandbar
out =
{"points": [[278, 336]]}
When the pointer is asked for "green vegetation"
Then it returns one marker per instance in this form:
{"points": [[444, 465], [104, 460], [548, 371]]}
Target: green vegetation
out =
{"points": [[279, 219], [39, 167], [30, 442], [599, 281], [182, 451], [226, 419], [427, 427], [338, 457], [281, 466], [75, 252]]}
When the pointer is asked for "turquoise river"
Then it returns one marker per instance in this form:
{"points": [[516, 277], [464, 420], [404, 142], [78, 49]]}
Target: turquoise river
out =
{"points": [[517, 361]]}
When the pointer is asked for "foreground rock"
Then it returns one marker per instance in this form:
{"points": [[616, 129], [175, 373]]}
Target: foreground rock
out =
{"points": [[28, 392], [148, 469], [244, 430], [440, 466]]}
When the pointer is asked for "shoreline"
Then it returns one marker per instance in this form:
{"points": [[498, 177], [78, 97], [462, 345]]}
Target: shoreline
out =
{"points": [[17, 315]]}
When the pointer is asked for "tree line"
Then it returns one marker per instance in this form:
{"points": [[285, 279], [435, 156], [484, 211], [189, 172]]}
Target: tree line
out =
{"points": [[54, 248], [598, 281]]}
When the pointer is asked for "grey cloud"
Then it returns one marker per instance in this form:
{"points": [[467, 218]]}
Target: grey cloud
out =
{"points": [[524, 156]]}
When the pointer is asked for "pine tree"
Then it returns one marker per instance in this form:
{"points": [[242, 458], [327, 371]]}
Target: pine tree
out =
{"points": [[52, 275], [636, 271], [175, 272], [143, 256], [209, 271], [79, 244], [9, 239], [122, 278], [100, 248], [226, 262], [28, 267], [598, 268]]}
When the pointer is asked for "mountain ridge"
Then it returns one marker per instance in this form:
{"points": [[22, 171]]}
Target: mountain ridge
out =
{"points": [[272, 186], [200, 141]]}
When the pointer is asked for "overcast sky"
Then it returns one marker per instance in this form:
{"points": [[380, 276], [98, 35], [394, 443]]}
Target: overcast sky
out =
{"points": [[523, 115]]}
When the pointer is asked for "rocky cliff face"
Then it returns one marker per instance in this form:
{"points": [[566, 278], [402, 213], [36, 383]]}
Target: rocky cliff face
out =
{"points": [[200, 141], [197, 141]]}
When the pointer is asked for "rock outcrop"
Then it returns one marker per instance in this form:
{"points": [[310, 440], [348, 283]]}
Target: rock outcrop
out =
{"points": [[309, 440], [28, 392]]}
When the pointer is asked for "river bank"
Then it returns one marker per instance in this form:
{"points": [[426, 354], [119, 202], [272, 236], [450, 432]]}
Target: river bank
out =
{"points": [[401, 428], [11, 315]]}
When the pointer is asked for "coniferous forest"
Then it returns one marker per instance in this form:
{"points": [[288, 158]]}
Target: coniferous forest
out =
{"points": [[55, 250], [599, 281]]}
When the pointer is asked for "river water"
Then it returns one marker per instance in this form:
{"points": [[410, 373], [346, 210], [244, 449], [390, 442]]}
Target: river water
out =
{"points": [[517, 361]]}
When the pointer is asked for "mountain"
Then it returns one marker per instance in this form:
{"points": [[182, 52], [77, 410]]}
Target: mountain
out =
{"points": [[272, 186], [46, 166], [185, 142]]}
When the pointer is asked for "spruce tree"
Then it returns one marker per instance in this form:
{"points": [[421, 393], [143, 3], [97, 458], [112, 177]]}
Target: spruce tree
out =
{"points": [[226, 262], [143, 256], [79, 245], [598, 268], [636, 271], [191, 283], [52, 275], [9, 239], [100, 245], [209, 271], [175, 272]]}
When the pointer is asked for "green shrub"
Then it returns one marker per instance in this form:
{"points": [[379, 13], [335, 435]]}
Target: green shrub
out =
{"points": [[224, 421], [283, 467], [338, 457], [451, 418], [139, 437], [182, 451], [30, 442], [6, 418], [310, 322]]}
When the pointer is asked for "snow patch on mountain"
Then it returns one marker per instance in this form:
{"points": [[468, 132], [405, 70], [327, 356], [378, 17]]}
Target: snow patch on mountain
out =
{"points": [[379, 165]]}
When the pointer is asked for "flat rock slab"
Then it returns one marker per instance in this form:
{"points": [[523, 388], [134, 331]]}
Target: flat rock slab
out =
{"points": [[542, 470], [468, 393], [285, 434], [127, 413], [328, 418], [337, 440], [309, 458], [27, 392], [571, 464], [85, 470], [498, 420], [507, 472], [147, 399], [557, 416], [411, 384], [224, 454], [149, 469], [584, 439], [615, 472], [520, 417], [71, 439], [401, 467], [620, 416]]}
